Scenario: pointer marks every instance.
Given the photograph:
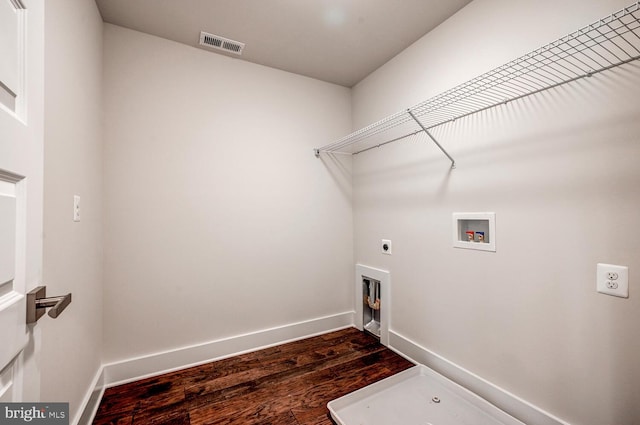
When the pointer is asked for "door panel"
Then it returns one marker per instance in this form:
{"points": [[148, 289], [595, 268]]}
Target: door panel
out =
{"points": [[7, 237], [12, 16], [21, 138], [12, 300], [6, 384]]}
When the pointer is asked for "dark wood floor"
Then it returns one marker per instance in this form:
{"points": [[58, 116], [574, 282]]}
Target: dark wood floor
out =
{"points": [[285, 385]]}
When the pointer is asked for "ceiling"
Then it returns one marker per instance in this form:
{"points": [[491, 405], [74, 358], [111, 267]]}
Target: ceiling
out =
{"points": [[339, 41]]}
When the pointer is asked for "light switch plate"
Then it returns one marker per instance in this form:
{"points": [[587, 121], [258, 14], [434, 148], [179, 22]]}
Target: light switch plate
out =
{"points": [[613, 280], [76, 208]]}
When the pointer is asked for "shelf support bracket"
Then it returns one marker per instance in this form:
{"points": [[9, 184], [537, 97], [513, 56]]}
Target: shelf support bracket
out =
{"points": [[453, 162]]}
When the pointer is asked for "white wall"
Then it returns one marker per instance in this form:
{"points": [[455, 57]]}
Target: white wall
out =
{"points": [[72, 344], [219, 220], [559, 169]]}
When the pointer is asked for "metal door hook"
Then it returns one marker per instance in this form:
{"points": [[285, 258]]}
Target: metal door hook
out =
{"points": [[37, 303]]}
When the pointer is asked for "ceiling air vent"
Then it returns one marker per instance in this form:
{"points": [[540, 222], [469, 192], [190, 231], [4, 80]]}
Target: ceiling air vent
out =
{"points": [[221, 43]]}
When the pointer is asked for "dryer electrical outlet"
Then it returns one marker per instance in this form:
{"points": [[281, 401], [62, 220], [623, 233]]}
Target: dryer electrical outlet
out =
{"points": [[613, 280], [385, 246]]}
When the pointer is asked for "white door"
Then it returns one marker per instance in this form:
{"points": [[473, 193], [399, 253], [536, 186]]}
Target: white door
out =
{"points": [[21, 151]]}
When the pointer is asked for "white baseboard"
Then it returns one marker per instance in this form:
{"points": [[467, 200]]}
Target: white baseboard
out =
{"points": [[129, 370], [167, 361], [504, 400], [91, 400]]}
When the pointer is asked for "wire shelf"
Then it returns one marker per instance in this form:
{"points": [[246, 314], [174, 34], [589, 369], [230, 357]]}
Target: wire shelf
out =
{"points": [[605, 44]]}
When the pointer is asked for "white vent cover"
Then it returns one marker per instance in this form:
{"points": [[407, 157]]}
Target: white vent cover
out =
{"points": [[221, 43]]}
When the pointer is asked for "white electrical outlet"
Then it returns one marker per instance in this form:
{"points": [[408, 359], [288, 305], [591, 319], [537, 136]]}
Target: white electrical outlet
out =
{"points": [[385, 246], [76, 208], [613, 280]]}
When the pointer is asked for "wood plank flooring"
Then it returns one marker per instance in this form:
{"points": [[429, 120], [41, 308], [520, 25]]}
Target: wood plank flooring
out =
{"points": [[289, 384]]}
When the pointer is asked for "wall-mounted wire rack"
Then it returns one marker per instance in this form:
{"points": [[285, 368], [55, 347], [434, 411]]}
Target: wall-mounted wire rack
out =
{"points": [[605, 44]]}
